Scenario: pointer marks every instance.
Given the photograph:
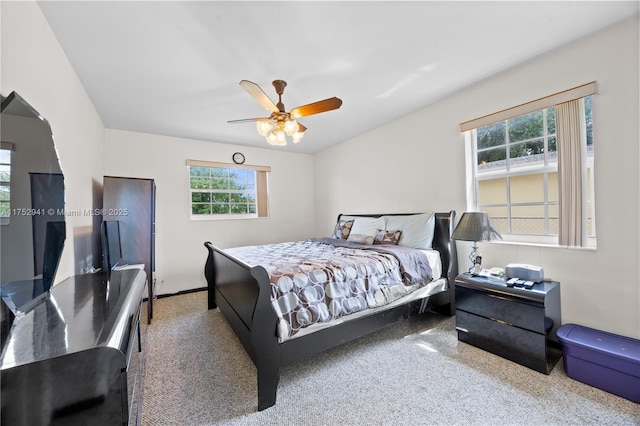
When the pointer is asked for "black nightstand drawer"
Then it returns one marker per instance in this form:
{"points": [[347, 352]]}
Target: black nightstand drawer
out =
{"points": [[525, 314], [516, 323], [512, 343]]}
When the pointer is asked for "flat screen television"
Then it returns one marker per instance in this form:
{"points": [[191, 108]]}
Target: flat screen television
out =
{"points": [[111, 251]]}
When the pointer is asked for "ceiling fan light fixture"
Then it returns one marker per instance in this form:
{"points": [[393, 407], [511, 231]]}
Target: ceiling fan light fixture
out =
{"points": [[276, 138], [264, 127], [276, 132], [297, 137], [291, 127]]}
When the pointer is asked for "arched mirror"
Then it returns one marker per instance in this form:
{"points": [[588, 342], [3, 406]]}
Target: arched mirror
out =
{"points": [[32, 227]]}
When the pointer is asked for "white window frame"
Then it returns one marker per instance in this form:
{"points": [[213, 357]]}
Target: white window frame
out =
{"points": [[469, 130], [472, 199], [7, 146], [260, 191]]}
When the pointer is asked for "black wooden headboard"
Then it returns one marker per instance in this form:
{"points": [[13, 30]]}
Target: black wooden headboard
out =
{"points": [[444, 225]]}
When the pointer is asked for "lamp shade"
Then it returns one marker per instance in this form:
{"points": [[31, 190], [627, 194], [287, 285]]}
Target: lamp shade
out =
{"points": [[475, 226]]}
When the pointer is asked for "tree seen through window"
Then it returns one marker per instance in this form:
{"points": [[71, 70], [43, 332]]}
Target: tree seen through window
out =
{"points": [[222, 191]]}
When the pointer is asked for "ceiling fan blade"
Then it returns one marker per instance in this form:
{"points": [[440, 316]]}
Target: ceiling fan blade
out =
{"points": [[301, 128], [247, 120], [316, 107], [259, 95]]}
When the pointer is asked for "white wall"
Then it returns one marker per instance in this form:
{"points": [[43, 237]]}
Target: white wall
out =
{"points": [[180, 253], [417, 163], [34, 65]]}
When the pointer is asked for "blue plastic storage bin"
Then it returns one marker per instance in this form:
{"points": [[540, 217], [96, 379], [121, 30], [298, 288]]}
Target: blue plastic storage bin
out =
{"points": [[604, 360]]}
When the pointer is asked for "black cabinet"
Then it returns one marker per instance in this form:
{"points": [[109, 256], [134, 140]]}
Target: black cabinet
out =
{"points": [[76, 357], [515, 323], [132, 202]]}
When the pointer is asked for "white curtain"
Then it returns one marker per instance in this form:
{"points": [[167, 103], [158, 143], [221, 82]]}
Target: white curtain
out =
{"points": [[571, 138], [262, 191]]}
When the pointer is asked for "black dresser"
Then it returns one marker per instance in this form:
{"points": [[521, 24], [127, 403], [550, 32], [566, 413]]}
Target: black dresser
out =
{"points": [[516, 323], [74, 357]]}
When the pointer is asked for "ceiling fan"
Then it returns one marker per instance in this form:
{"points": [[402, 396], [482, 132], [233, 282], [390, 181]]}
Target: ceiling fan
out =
{"points": [[280, 123]]}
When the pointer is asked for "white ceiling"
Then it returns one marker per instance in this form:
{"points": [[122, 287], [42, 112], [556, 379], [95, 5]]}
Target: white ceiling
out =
{"points": [[173, 67]]}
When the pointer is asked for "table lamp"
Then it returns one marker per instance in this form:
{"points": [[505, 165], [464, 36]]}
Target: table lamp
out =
{"points": [[475, 226]]}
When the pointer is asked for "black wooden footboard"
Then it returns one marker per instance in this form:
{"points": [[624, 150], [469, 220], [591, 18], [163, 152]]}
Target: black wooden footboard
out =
{"points": [[243, 294]]}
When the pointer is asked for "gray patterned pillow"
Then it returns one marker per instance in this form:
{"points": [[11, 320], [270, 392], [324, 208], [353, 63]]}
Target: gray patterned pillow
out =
{"points": [[342, 229], [387, 237]]}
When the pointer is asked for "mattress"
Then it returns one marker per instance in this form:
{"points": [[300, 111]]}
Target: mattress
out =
{"points": [[433, 256]]}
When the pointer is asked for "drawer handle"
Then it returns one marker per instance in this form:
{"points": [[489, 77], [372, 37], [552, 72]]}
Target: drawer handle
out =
{"points": [[464, 330]]}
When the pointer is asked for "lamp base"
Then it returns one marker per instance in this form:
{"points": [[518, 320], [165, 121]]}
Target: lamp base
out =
{"points": [[476, 260]]}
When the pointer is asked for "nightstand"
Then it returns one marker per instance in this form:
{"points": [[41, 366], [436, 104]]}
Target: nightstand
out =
{"points": [[515, 323]]}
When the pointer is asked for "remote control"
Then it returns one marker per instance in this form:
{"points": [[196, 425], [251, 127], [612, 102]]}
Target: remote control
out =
{"points": [[511, 282]]}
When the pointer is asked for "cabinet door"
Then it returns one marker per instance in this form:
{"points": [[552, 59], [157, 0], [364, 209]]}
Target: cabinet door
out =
{"points": [[131, 202], [513, 343], [512, 310]]}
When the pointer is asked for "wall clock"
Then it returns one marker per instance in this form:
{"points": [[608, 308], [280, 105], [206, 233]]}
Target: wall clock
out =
{"points": [[238, 157]]}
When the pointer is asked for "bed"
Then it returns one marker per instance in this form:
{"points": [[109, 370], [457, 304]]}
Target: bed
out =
{"points": [[275, 334]]}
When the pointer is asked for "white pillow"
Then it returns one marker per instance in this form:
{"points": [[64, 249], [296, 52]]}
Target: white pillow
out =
{"points": [[367, 225], [417, 229]]}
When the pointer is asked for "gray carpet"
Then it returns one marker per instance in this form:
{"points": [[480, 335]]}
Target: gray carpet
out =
{"points": [[415, 372]]}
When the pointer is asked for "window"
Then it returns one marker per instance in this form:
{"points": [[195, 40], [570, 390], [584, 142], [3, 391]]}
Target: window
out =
{"points": [[5, 182], [227, 191], [519, 180]]}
